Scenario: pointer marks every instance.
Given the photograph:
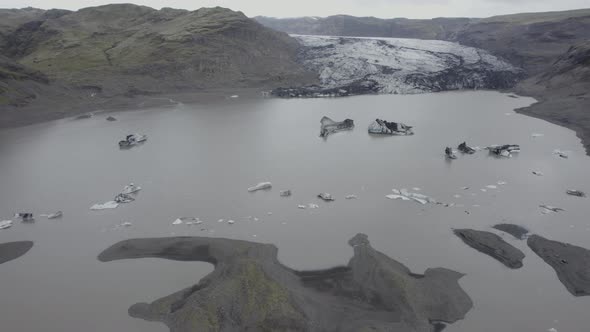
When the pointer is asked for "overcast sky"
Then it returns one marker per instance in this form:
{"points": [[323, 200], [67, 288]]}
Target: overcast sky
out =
{"points": [[377, 8]]}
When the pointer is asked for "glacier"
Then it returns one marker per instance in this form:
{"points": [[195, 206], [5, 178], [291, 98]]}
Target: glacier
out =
{"points": [[358, 65]]}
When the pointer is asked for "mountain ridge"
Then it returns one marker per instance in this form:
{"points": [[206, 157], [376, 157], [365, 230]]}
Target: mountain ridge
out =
{"points": [[119, 51]]}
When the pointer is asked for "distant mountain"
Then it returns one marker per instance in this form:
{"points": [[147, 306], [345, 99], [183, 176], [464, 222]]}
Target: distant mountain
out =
{"points": [[344, 25], [132, 50]]}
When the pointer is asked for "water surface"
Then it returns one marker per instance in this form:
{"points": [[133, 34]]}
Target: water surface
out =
{"points": [[200, 159]]}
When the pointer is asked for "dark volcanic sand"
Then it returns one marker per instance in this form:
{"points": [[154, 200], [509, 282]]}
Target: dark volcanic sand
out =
{"points": [[572, 263], [493, 246], [518, 232], [249, 290], [13, 250]]}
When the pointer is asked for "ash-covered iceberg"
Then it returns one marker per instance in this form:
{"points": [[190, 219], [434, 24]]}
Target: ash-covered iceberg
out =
{"points": [[329, 126], [389, 128]]}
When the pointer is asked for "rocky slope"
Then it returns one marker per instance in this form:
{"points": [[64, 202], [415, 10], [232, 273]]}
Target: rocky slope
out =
{"points": [[111, 51], [563, 92], [391, 65]]}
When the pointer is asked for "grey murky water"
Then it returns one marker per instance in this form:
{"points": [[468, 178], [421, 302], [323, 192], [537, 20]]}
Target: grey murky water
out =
{"points": [[199, 161]]}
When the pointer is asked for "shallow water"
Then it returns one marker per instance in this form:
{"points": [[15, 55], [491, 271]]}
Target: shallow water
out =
{"points": [[199, 161]]}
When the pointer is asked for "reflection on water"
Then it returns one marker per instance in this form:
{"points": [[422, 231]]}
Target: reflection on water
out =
{"points": [[199, 161]]}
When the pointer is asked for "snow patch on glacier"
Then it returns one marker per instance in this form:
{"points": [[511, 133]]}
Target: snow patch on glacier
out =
{"points": [[397, 65]]}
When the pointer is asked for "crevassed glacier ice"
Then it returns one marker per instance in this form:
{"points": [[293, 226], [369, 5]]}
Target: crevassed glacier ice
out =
{"points": [[397, 65]]}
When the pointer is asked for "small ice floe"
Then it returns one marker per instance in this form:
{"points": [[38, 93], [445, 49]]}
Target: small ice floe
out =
{"points": [[260, 186], [449, 153], [535, 135], [301, 206], [194, 222], [464, 148], [268, 214], [126, 224], [326, 197], [111, 118], [4, 224], [131, 189], [123, 198], [416, 189], [505, 150], [457, 196], [395, 196], [552, 330], [501, 183], [25, 216], [234, 96], [132, 140], [491, 186], [220, 220], [231, 222], [507, 114], [313, 206], [561, 154], [405, 195], [350, 197], [538, 173], [285, 193], [577, 193], [105, 206], [465, 188], [55, 215], [483, 190], [549, 209], [187, 220]]}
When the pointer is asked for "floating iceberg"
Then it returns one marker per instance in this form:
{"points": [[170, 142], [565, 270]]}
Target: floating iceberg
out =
{"points": [[562, 154], [329, 126], [405, 195], [504, 150], [260, 186], [123, 198], [55, 215], [4, 224], [463, 147], [577, 193], [131, 189], [132, 140], [25, 216], [105, 206], [389, 128], [549, 208], [449, 153], [326, 197]]}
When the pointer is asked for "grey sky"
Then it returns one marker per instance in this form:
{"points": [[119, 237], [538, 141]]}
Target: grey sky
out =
{"points": [[377, 8]]}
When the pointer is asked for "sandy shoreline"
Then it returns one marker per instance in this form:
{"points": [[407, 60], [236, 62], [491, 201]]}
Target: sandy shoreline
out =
{"points": [[73, 106]]}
